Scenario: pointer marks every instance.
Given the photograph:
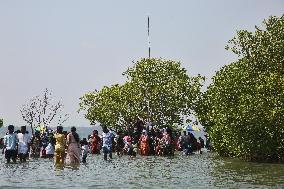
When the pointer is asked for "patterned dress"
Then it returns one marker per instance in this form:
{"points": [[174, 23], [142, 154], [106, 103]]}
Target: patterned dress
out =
{"points": [[144, 145], [35, 147]]}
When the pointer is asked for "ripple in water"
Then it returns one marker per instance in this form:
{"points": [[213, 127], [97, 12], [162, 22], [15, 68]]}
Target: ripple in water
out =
{"points": [[205, 170]]}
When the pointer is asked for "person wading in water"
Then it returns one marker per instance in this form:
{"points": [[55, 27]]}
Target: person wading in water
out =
{"points": [[10, 145], [23, 144], [59, 146], [107, 138], [74, 148]]}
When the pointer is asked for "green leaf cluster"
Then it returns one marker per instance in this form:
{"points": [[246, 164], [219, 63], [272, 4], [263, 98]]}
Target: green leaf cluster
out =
{"points": [[244, 106], [1, 122], [157, 90]]}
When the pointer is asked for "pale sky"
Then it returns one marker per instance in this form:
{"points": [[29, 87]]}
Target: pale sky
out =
{"points": [[72, 47]]}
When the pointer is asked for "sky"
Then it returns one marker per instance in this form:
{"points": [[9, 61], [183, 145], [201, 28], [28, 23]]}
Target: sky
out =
{"points": [[73, 47]]}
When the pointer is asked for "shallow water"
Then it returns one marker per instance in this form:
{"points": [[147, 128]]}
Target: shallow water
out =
{"points": [[205, 170]]}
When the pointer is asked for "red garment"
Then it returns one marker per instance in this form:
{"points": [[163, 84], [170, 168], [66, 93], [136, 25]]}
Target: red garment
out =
{"points": [[96, 144], [144, 145], [43, 153], [158, 147], [175, 143]]}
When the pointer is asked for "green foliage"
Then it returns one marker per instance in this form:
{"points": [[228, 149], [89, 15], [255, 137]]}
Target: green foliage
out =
{"points": [[1, 122], [157, 90], [244, 106]]}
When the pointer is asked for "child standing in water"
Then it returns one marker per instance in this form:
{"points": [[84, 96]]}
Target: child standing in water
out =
{"points": [[50, 146], [129, 148], [60, 143], [84, 147]]}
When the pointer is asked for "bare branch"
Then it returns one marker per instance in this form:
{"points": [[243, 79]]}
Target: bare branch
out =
{"points": [[42, 109]]}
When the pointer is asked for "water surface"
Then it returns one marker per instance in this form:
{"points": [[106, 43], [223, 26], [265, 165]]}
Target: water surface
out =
{"points": [[205, 170]]}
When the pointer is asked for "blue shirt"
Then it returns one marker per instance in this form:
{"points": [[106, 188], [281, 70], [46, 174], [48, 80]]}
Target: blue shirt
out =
{"points": [[107, 139], [10, 141]]}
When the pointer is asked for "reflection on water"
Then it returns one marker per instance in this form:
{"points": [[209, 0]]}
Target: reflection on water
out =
{"points": [[198, 171], [248, 174]]}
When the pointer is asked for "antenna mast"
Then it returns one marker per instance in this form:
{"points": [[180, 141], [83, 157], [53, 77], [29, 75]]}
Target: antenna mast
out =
{"points": [[149, 43]]}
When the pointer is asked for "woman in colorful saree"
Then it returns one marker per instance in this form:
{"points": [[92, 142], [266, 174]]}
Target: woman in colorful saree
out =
{"points": [[144, 144]]}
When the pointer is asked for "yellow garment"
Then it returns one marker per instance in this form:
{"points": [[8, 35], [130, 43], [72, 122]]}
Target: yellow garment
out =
{"points": [[59, 148], [195, 128], [60, 142], [42, 128]]}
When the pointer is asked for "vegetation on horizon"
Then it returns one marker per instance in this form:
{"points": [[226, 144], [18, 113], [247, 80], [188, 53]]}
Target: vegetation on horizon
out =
{"points": [[159, 91], [1, 122], [244, 106]]}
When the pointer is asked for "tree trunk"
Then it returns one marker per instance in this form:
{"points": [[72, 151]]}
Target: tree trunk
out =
{"points": [[32, 129]]}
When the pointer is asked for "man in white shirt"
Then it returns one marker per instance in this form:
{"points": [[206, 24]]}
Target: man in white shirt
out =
{"points": [[10, 144], [23, 144]]}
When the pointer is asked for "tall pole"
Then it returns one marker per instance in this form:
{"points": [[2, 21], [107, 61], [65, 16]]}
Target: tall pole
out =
{"points": [[149, 51], [149, 43]]}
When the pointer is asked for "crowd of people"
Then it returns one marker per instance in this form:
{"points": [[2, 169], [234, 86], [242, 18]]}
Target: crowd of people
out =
{"points": [[64, 147], [67, 148]]}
